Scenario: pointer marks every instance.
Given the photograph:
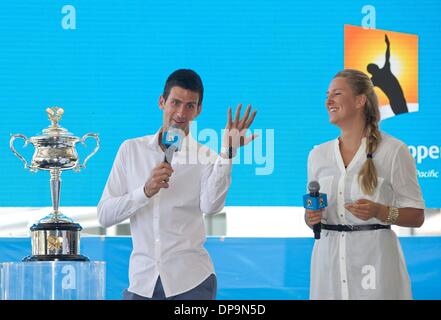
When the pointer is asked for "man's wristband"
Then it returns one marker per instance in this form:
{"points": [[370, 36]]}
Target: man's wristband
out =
{"points": [[228, 152]]}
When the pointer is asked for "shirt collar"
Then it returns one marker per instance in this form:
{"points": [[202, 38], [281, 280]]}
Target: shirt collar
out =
{"points": [[153, 142], [360, 152]]}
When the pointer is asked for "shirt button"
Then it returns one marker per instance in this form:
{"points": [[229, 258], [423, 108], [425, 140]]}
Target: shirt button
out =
{"points": [[341, 215], [344, 281], [340, 193], [342, 235], [157, 240]]}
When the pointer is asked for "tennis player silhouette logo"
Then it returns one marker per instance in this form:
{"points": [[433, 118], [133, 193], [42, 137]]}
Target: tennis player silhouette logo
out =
{"points": [[384, 79]]}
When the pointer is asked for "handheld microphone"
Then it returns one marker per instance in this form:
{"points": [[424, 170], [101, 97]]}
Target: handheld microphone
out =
{"points": [[172, 141], [315, 201]]}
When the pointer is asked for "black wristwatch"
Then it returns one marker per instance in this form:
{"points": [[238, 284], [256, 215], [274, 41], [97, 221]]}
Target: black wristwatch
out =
{"points": [[230, 152]]}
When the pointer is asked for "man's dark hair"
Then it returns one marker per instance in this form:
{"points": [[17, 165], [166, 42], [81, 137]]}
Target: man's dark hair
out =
{"points": [[186, 79]]}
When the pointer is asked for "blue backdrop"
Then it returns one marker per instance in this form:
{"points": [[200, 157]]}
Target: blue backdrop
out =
{"points": [[251, 268], [109, 71]]}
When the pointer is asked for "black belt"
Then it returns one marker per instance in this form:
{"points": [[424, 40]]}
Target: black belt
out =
{"points": [[349, 228]]}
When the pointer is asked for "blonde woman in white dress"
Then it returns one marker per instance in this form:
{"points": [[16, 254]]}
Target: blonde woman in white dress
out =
{"points": [[371, 183]]}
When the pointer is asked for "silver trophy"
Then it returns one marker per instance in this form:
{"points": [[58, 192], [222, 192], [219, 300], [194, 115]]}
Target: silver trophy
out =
{"points": [[55, 237]]}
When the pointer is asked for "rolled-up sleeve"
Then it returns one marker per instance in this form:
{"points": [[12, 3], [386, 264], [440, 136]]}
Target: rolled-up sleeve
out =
{"points": [[404, 180]]}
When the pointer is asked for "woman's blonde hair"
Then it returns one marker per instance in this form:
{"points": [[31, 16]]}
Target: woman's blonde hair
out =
{"points": [[362, 85]]}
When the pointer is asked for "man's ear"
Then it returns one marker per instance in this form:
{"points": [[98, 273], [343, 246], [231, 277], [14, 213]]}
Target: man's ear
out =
{"points": [[161, 102], [199, 110]]}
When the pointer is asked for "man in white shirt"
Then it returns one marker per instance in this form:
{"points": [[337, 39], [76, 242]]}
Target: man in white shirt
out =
{"points": [[165, 202]]}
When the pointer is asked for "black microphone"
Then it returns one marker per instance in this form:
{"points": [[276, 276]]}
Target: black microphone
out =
{"points": [[315, 201], [172, 141], [314, 188]]}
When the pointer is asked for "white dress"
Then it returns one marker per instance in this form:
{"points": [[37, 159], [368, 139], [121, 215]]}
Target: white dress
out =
{"points": [[361, 264]]}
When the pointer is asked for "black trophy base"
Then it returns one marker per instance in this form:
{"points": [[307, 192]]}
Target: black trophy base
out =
{"points": [[77, 257]]}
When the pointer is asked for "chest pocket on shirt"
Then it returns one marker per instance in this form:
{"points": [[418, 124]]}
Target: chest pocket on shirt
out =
{"points": [[184, 187], [326, 186], [357, 193]]}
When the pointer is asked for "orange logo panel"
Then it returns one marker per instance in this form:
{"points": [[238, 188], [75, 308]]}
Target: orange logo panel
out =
{"points": [[391, 60]]}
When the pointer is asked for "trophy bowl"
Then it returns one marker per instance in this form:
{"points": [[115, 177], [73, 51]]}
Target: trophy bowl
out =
{"points": [[56, 236]]}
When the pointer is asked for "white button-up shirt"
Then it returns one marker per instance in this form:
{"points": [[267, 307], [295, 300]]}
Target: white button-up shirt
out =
{"points": [[167, 229], [361, 264]]}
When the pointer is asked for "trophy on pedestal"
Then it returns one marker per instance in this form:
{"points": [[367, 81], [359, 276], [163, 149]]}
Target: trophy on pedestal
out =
{"points": [[56, 236]]}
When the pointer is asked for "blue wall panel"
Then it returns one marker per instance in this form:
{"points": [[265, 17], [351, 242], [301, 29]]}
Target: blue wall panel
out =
{"points": [[251, 268]]}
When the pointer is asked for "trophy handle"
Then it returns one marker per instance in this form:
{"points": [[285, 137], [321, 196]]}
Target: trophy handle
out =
{"points": [[11, 145], [83, 139]]}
